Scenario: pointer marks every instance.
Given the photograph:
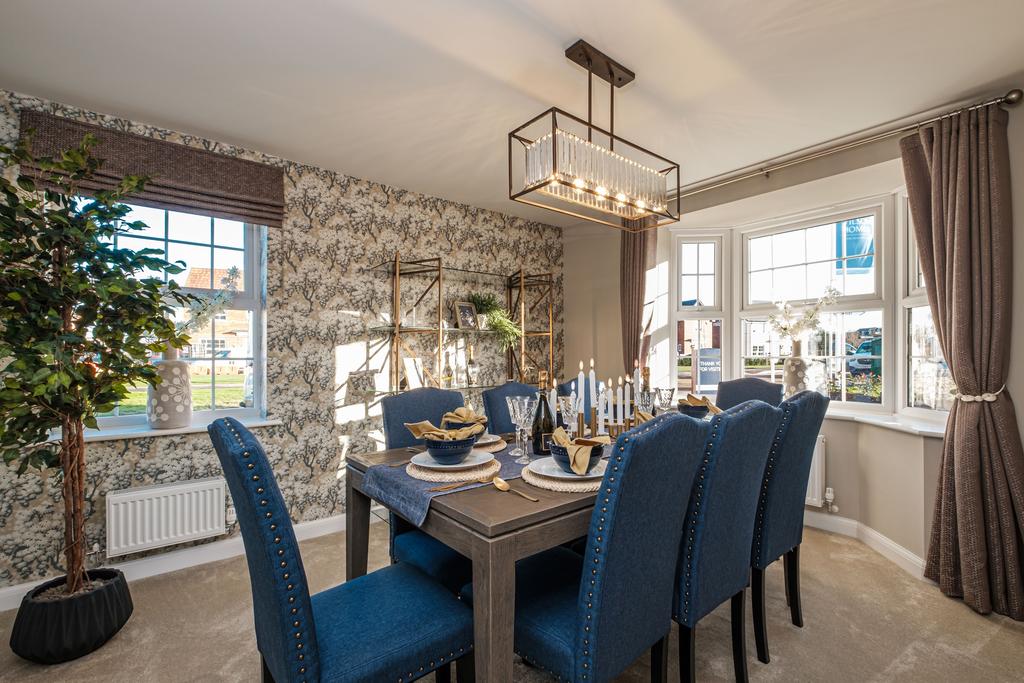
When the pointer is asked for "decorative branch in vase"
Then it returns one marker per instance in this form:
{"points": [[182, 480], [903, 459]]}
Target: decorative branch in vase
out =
{"points": [[792, 323]]}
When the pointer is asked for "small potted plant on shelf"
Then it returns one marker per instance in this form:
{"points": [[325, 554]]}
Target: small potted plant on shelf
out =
{"points": [[496, 319], [79, 321]]}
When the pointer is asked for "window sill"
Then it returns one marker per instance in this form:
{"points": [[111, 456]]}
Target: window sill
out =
{"points": [[900, 423], [144, 431]]}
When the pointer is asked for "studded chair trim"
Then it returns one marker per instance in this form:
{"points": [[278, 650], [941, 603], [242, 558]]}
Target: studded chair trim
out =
{"points": [[769, 469], [285, 632]]}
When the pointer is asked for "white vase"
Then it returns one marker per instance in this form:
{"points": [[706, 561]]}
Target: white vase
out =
{"points": [[169, 404], [794, 372]]}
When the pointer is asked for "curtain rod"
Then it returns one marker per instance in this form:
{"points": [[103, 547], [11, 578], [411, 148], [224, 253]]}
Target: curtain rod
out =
{"points": [[1011, 98]]}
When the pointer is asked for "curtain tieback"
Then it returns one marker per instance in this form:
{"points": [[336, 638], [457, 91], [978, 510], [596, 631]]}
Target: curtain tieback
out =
{"points": [[987, 397]]}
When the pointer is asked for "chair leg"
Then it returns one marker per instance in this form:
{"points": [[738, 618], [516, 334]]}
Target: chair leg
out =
{"points": [[739, 636], [785, 568], [793, 586], [659, 661], [687, 658], [443, 673], [267, 676], [465, 669], [758, 608]]}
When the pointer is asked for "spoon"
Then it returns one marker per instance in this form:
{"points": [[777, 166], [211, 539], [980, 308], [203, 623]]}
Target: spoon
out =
{"points": [[503, 485]]}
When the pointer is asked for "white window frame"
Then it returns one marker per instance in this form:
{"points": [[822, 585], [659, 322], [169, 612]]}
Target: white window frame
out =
{"points": [[253, 298]]}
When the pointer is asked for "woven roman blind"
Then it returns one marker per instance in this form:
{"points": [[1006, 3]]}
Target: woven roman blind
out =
{"points": [[181, 178]]}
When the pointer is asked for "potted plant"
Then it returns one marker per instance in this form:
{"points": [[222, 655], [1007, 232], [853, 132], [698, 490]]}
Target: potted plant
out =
{"points": [[79, 321], [496, 319]]}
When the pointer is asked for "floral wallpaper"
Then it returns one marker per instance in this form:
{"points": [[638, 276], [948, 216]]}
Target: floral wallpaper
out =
{"points": [[322, 302]]}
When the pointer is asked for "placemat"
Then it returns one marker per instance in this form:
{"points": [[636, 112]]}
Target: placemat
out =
{"points": [[488, 469], [560, 485], [494, 447]]}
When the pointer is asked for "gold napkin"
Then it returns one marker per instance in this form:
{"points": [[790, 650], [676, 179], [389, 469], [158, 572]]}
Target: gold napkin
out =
{"points": [[579, 450], [642, 417], [463, 414], [426, 430], [703, 401]]}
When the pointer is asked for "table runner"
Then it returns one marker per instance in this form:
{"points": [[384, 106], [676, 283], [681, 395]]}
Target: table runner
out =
{"points": [[410, 497]]}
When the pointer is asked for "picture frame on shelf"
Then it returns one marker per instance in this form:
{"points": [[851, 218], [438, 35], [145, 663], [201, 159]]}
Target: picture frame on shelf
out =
{"points": [[465, 315]]}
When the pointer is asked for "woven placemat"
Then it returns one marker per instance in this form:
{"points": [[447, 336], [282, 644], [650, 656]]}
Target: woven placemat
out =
{"points": [[493, 447], [560, 485], [488, 469]]}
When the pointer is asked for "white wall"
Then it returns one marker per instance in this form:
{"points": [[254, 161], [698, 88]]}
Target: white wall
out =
{"points": [[593, 326]]}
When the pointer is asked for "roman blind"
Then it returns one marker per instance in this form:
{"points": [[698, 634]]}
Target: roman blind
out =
{"points": [[181, 178]]}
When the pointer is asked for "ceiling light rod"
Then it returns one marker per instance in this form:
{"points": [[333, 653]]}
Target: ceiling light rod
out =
{"points": [[586, 55]]}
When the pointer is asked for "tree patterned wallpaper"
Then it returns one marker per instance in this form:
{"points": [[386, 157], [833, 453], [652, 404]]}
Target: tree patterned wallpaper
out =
{"points": [[321, 303]]}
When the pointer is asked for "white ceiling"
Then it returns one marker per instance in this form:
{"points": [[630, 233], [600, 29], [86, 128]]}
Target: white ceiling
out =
{"points": [[421, 94]]}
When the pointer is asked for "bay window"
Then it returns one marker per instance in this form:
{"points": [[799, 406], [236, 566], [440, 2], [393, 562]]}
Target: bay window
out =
{"points": [[699, 320]]}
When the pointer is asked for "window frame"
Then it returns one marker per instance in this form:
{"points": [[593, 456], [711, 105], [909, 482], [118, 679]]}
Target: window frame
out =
{"points": [[252, 299], [679, 239]]}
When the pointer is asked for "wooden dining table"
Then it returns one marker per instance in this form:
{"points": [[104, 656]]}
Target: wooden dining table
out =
{"points": [[492, 528]]}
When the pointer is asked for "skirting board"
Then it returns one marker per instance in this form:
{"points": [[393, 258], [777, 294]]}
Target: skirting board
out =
{"points": [[172, 561], [881, 544]]}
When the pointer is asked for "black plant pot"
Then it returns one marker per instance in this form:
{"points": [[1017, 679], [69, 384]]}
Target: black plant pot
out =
{"points": [[54, 631]]}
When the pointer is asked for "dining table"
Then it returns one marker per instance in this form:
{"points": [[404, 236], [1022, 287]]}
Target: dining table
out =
{"points": [[492, 528]]}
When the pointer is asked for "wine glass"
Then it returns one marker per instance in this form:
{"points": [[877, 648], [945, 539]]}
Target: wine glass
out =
{"points": [[568, 411], [520, 409], [665, 398], [644, 401]]}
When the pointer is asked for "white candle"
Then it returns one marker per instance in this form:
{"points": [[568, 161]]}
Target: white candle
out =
{"points": [[553, 399], [636, 379], [609, 398], [581, 383], [622, 406], [593, 385], [629, 404]]}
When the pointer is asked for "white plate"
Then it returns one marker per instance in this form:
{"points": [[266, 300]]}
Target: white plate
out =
{"points": [[488, 439], [547, 467], [474, 459]]}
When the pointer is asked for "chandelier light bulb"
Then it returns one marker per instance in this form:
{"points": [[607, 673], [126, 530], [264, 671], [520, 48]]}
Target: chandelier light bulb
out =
{"points": [[641, 204], [601, 190], [621, 197], [579, 183]]}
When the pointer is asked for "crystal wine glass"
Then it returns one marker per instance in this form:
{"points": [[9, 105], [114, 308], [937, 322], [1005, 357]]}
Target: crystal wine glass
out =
{"points": [[520, 409], [568, 411], [665, 398]]}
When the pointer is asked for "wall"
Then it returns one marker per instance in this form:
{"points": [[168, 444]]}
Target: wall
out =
{"points": [[320, 303], [593, 319]]}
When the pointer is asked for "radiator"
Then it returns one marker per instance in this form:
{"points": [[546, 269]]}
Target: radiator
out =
{"points": [[148, 517], [816, 478]]}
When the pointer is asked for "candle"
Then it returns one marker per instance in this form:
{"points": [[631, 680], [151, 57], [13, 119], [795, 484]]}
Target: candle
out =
{"points": [[622, 406], [629, 404], [581, 383], [593, 384], [553, 400], [601, 398], [636, 379]]}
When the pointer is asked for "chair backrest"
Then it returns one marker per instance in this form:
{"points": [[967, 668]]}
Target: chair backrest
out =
{"points": [[285, 632], [779, 525], [714, 561], [565, 389], [630, 559], [416, 405], [496, 409], [735, 391]]}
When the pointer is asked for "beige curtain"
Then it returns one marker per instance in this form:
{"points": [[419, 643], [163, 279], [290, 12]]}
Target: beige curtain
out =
{"points": [[958, 182], [635, 257]]}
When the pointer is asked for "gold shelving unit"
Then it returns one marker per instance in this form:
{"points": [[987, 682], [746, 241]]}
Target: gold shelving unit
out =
{"points": [[530, 299]]}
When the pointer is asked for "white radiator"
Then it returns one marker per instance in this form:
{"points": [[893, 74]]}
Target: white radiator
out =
{"points": [[148, 517], [816, 478]]}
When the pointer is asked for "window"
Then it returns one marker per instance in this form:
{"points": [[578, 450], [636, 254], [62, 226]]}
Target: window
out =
{"points": [[698, 263], [698, 328], [929, 383], [699, 356], [800, 264], [225, 355]]}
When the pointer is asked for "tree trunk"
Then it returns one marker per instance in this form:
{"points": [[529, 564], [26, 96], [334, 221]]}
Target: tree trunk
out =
{"points": [[72, 460]]}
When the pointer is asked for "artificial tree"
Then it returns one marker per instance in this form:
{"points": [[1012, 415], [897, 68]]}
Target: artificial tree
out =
{"points": [[79, 318]]}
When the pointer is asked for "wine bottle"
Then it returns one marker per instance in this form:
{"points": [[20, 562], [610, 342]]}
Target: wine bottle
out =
{"points": [[542, 426], [472, 369], [448, 374]]}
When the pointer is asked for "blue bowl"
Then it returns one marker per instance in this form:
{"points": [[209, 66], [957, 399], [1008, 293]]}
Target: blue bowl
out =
{"points": [[696, 412], [457, 425], [450, 452], [561, 456]]}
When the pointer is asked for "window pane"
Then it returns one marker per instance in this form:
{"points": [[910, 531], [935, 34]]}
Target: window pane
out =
{"points": [[232, 382], [201, 374], [197, 265], [707, 290], [135, 403], [233, 330], [229, 269], [788, 248], [699, 356], [688, 293], [153, 218], [228, 233], [821, 243], [688, 262], [189, 227], [707, 258], [200, 338], [929, 382], [759, 288], [790, 283], [819, 277], [759, 253]]}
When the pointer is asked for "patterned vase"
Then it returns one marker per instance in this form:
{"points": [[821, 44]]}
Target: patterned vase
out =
{"points": [[794, 372], [169, 404]]}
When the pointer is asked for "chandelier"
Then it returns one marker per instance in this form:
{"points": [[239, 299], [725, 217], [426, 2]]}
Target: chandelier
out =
{"points": [[560, 162]]}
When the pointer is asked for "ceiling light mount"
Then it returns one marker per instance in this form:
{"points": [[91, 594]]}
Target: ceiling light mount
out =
{"points": [[561, 162]]}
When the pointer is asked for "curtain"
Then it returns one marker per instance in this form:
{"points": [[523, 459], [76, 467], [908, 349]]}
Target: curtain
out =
{"points": [[958, 182], [181, 178], [635, 257]]}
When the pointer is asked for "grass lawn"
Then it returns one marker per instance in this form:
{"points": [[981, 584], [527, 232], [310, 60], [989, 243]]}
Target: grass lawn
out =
{"points": [[230, 390]]}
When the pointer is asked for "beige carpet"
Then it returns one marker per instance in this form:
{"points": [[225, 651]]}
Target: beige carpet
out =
{"points": [[865, 620]]}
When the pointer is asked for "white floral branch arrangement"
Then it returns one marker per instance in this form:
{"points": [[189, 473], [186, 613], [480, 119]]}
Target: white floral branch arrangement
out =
{"points": [[791, 323], [203, 308]]}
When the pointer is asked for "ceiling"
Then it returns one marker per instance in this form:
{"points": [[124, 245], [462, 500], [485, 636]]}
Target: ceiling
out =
{"points": [[421, 95]]}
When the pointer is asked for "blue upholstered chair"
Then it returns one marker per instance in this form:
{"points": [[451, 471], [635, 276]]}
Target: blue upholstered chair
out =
{"points": [[407, 543], [714, 562], [565, 389], [393, 624], [587, 618], [779, 527], [735, 391], [496, 409]]}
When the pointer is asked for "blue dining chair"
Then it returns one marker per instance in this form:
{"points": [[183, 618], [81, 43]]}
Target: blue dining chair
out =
{"points": [[393, 624], [407, 543], [496, 409], [735, 391], [587, 618], [565, 389], [779, 527], [714, 558]]}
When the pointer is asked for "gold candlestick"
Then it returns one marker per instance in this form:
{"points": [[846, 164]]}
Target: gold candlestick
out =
{"points": [[593, 421], [580, 424]]}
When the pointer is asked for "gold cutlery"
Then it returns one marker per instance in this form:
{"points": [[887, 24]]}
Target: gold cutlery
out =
{"points": [[503, 485], [450, 487]]}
